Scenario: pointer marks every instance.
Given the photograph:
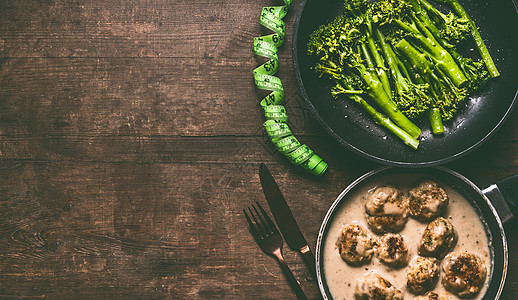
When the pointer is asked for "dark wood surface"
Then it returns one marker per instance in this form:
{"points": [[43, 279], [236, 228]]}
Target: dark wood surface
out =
{"points": [[130, 139]]}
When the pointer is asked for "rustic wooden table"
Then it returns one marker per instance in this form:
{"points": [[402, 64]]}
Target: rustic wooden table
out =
{"points": [[130, 139]]}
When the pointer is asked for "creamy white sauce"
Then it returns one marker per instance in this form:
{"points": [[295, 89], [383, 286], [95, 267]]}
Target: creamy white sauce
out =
{"points": [[341, 278]]}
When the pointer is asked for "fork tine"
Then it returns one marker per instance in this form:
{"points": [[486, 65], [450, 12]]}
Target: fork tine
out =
{"points": [[253, 227], [269, 221], [267, 229], [259, 226]]}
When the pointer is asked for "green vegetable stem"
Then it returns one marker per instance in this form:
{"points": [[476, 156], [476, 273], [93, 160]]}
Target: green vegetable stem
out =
{"points": [[447, 29], [481, 46], [412, 98], [378, 117]]}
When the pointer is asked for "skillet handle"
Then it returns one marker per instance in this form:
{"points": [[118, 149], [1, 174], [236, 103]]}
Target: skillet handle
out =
{"points": [[504, 196]]}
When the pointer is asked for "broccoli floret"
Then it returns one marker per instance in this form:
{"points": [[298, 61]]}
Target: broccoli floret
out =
{"points": [[452, 29], [412, 100], [389, 11]]}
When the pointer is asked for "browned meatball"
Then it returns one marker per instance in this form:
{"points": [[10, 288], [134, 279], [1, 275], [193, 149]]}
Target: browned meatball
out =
{"points": [[427, 201], [387, 209], [464, 274], [438, 239], [354, 245], [422, 274], [431, 296], [372, 286], [392, 250]]}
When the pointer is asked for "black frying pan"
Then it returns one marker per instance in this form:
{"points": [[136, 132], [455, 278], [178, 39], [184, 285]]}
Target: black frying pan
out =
{"points": [[495, 205], [482, 115]]}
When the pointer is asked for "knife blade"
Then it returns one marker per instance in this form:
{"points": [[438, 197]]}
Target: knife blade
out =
{"points": [[284, 218]]}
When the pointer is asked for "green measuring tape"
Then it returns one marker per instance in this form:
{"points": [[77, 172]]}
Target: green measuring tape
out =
{"points": [[275, 113]]}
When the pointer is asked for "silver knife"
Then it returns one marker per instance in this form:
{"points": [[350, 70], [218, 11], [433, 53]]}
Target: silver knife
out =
{"points": [[285, 220]]}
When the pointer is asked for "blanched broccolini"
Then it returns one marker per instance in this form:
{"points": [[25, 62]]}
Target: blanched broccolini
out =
{"points": [[401, 15], [481, 46], [453, 29], [402, 56], [411, 98], [378, 117], [341, 48]]}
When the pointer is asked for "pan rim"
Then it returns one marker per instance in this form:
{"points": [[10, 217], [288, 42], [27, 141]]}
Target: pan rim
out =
{"points": [[377, 158], [474, 188]]}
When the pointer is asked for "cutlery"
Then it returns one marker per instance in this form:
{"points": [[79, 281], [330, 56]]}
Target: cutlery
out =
{"points": [[269, 239], [285, 220]]}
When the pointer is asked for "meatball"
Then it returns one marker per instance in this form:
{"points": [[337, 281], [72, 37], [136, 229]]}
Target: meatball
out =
{"points": [[354, 245], [422, 274], [392, 250], [431, 296], [464, 274], [373, 286], [438, 239], [387, 209], [427, 201]]}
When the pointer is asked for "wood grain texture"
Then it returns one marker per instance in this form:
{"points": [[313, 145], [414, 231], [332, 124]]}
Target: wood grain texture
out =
{"points": [[130, 139]]}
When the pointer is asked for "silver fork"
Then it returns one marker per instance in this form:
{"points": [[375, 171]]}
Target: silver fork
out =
{"points": [[269, 239]]}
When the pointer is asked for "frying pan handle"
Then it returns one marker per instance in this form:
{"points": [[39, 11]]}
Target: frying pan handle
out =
{"points": [[504, 196]]}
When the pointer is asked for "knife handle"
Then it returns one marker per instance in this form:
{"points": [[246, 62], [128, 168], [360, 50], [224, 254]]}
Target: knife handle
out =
{"points": [[309, 259]]}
